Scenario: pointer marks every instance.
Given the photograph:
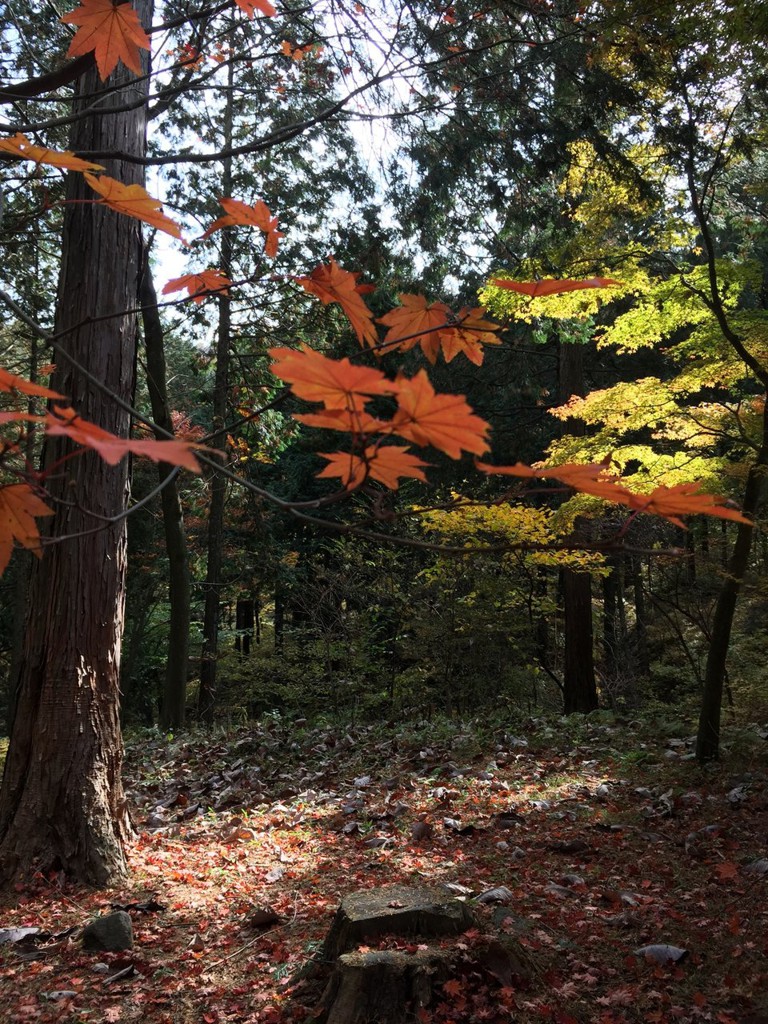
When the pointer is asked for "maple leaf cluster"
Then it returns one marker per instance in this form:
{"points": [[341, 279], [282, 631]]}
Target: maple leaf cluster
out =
{"points": [[434, 326], [444, 422]]}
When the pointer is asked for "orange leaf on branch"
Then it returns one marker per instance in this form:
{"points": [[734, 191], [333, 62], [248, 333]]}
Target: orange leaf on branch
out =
{"points": [[200, 285], [20, 146], [434, 326], [251, 6], [445, 422], [378, 462], [553, 286], [11, 383], [336, 383], [61, 422], [19, 505], [351, 421], [593, 478], [331, 283], [133, 201], [113, 32], [257, 216], [468, 335]]}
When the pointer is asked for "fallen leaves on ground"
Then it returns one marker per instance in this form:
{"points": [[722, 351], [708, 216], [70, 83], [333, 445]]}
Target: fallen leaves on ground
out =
{"points": [[248, 840]]}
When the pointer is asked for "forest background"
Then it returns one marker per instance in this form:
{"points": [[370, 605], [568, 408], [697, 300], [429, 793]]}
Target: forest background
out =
{"points": [[437, 152]]}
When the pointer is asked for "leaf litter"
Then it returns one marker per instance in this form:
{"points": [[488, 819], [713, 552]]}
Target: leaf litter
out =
{"points": [[639, 887]]}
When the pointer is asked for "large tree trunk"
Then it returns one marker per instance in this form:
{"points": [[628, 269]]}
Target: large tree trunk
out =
{"points": [[62, 804], [174, 700]]}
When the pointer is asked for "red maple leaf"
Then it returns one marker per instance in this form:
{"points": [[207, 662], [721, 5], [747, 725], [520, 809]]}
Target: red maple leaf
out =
{"points": [[19, 505]]}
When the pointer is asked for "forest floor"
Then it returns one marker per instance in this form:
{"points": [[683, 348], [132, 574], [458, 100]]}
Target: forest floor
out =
{"points": [[604, 837]]}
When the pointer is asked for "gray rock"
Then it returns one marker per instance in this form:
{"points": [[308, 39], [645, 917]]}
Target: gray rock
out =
{"points": [[111, 933]]}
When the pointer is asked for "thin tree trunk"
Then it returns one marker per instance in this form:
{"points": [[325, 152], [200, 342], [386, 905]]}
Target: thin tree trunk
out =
{"points": [[62, 804], [708, 735], [213, 582], [579, 687], [174, 701]]}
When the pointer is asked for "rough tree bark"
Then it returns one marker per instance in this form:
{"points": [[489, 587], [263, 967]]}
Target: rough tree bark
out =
{"points": [[62, 804]]}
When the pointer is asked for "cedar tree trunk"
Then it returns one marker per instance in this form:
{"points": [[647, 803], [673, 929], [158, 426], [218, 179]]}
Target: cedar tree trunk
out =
{"points": [[62, 805]]}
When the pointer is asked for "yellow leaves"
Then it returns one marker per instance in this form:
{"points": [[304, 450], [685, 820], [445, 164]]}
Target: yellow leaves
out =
{"points": [[257, 216], [20, 146], [133, 201], [331, 283], [19, 506], [113, 33]]}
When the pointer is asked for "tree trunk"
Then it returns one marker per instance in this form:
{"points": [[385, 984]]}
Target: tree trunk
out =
{"points": [[579, 687], [174, 702], [210, 650], [708, 735], [62, 804]]}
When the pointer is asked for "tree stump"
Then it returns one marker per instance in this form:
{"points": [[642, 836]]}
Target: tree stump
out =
{"points": [[394, 909], [382, 987]]}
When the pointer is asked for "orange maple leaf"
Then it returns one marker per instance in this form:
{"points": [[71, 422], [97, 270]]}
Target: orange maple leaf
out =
{"points": [[251, 6], [434, 326], [298, 53], [20, 146], [445, 422], [593, 478], [133, 201], [66, 423], [351, 421], [330, 283], [257, 215], [469, 335], [200, 285], [383, 463], [113, 32], [553, 286], [11, 383], [416, 323], [334, 382], [18, 507]]}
